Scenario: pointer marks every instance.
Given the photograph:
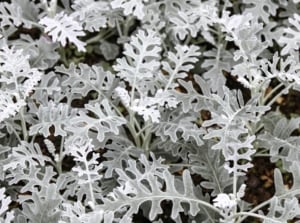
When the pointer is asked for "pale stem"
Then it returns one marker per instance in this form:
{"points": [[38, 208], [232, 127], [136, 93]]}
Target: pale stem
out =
{"points": [[23, 123], [131, 128], [90, 185], [245, 214], [272, 92], [127, 25], [119, 28], [258, 207], [148, 136], [143, 129], [61, 157], [278, 95], [14, 131], [101, 36], [235, 188]]}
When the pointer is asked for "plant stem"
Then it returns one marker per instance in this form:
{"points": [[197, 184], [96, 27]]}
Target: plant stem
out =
{"points": [[271, 93], [180, 164], [235, 188], [61, 157], [245, 214], [132, 130], [23, 124], [119, 28], [147, 140], [90, 186], [101, 36], [127, 25], [175, 71], [279, 95], [258, 207], [14, 131], [143, 129]]}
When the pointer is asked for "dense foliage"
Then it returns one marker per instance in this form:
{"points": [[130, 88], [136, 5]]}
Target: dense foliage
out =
{"points": [[110, 109]]}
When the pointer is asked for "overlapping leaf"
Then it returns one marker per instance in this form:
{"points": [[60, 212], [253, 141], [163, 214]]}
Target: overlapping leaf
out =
{"points": [[62, 28], [103, 121], [141, 186]]}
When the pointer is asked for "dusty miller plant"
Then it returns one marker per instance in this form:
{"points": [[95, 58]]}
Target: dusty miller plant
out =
{"points": [[102, 103]]}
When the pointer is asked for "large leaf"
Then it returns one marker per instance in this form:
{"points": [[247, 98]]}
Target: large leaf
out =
{"points": [[84, 79], [56, 115], [143, 51], [18, 13], [232, 118], [143, 186], [104, 121], [62, 28], [278, 140]]}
